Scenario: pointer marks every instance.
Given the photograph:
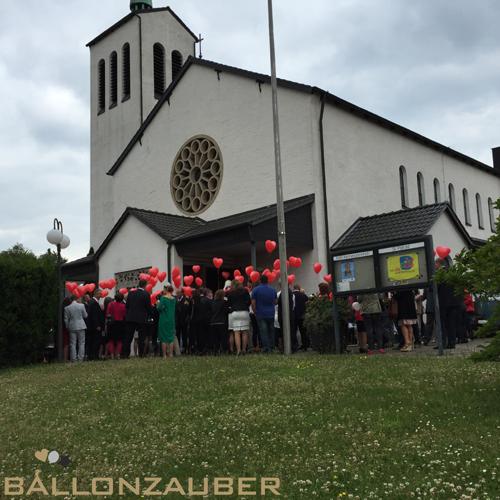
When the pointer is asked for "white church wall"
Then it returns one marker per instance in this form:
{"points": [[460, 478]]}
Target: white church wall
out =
{"points": [[134, 246], [238, 117], [363, 161], [444, 233]]}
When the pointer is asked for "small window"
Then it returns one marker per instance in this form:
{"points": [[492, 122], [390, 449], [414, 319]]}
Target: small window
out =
{"points": [[159, 69], [403, 187], [176, 63], [113, 79], [101, 87], [451, 196], [465, 195], [421, 189], [437, 191], [491, 213], [126, 72], [479, 208]]}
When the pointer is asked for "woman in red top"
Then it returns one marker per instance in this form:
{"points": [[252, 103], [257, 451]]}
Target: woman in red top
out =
{"points": [[116, 316], [469, 311]]}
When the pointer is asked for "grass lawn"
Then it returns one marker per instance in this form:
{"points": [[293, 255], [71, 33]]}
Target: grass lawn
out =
{"points": [[357, 427]]}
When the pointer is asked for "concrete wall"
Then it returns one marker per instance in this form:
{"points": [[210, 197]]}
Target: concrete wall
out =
{"points": [[363, 163], [134, 246], [112, 130]]}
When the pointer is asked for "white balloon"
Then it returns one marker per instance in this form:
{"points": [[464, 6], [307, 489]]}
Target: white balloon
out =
{"points": [[53, 457], [356, 306]]}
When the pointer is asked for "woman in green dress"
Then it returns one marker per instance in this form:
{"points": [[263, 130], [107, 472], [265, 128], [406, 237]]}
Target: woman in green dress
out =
{"points": [[166, 324]]}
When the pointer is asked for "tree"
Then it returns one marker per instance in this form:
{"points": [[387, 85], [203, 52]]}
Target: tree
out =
{"points": [[478, 272], [28, 298]]}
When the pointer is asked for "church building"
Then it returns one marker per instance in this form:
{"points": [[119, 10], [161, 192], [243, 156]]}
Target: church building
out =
{"points": [[182, 163]]}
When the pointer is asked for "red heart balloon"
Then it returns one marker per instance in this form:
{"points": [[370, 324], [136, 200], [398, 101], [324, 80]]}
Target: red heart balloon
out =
{"points": [[177, 281], [103, 283], [249, 270], [443, 252], [153, 271], [272, 276], [327, 278], [276, 264], [90, 287], [236, 273], [217, 262], [198, 282], [239, 278], [291, 278], [187, 291], [123, 291], [196, 269], [149, 288], [188, 280], [161, 276], [266, 272], [104, 293], [254, 276], [176, 272], [317, 267], [144, 277], [225, 275], [270, 246]]}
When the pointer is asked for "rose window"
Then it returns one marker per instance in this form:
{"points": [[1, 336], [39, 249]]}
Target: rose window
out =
{"points": [[196, 175]]}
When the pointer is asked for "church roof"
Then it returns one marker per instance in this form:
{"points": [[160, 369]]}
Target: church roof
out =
{"points": [[400, 225], [249, 218], [322, 94], [127, 18]]}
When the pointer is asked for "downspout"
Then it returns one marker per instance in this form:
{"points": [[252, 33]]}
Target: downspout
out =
{"points": [[140, 67], [323, 180]]}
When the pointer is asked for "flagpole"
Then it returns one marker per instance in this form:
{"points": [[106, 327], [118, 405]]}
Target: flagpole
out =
{"points": [[279, 192]]}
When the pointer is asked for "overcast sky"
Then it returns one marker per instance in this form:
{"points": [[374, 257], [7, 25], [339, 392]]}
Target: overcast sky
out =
{"points": [[430, 65]]}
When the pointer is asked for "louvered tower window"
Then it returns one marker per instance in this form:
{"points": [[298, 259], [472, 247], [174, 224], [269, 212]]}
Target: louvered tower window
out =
{"points": [[479, 208], [176, 63], [451, 196], [403, 187], [126, 72], [101, 86], [421, 189], [159, 69], [113, 79], [465, 196]]}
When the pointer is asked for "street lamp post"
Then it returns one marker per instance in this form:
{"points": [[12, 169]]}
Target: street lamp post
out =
{"points": [[279, 191], [57, 237]]}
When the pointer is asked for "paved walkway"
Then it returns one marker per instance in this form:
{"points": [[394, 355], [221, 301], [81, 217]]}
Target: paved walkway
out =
{"points": [[421, 350]]}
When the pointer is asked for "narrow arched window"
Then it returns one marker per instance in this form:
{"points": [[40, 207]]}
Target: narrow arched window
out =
{"points": [[491, 213], [403, 186], [101, 86], [479, 208], [113, 79], [437, 191], [159, 69], [465, 196], [176, 63], [125, 72], [451, 196], [421, 189]]}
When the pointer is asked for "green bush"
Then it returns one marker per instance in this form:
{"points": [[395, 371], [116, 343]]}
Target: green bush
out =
{"points": [[28, 311], [318, 321]]}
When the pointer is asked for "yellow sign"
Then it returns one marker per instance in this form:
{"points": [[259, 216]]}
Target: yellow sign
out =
{"points": [[403, 267]]}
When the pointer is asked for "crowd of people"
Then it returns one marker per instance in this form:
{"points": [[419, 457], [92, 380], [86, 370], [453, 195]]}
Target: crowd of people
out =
{"points": [[235, 320], [239, 319]]}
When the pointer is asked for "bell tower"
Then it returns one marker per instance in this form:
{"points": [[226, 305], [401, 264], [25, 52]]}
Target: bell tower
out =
{"points": [[140, 5], [132, 64]]}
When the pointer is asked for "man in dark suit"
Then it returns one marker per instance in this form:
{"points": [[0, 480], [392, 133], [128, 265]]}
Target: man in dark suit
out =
{"points": [[138, 309], [95, 325]]}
